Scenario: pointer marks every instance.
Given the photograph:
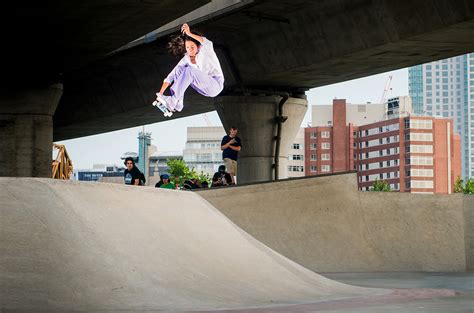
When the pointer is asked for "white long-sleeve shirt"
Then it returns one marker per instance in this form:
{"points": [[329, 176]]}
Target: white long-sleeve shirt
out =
{"points": [[206, 61]]}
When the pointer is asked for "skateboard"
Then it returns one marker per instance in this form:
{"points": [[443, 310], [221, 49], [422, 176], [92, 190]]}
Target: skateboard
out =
{"points": [[162, 108]]}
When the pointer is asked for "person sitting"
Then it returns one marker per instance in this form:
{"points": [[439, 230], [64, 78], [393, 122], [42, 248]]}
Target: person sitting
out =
{"points": [[166, 182], [160, 182], [190, 184], [221, 177]]}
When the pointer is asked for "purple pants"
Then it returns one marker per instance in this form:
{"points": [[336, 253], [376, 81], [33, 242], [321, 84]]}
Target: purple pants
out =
{"points": [[204, 84]]}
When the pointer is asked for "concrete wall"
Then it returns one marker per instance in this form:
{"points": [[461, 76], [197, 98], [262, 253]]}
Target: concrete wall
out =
{"points": [[326, 225]]}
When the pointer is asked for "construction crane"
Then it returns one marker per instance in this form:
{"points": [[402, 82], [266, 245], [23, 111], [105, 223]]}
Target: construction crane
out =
{"points": [[62, 166], [386, 89]]}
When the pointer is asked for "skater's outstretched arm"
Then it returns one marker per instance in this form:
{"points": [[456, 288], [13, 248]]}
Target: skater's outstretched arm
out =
{"points": [[187, 31]]}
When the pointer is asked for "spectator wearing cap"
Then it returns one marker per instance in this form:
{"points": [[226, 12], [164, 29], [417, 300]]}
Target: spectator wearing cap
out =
{"points": [[221, 177], [166, 182], [160, 182]]}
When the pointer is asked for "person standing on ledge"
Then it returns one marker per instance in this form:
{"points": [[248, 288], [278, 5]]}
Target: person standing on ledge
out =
{"points": [[230, 147]]}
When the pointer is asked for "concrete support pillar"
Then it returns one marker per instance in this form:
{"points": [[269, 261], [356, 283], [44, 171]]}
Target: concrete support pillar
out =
{"points": [[255, 117], [26, 131]]}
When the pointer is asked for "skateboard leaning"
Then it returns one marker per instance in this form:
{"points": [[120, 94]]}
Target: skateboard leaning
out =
{"points": [[162, 108]]}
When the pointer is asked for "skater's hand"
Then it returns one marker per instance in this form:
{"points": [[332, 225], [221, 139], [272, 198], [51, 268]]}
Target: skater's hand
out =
{"points": [[185, 29], [233, 141]]}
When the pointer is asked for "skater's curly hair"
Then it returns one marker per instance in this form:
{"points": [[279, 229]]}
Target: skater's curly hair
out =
{"points": [[177, 44]]}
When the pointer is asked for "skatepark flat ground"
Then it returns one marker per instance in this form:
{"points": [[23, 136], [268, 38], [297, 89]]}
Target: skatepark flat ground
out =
{"points": [[92, 247]]}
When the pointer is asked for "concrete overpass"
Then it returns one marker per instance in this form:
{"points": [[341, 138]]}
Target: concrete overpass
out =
{"points": [[271, 54]]}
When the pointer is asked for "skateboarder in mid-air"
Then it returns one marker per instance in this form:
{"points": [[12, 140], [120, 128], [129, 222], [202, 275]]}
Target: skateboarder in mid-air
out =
{"points": [[198, 67]]}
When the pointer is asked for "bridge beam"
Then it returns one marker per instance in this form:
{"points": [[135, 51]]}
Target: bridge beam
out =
{"points": [[256, 118], [26, 131]]}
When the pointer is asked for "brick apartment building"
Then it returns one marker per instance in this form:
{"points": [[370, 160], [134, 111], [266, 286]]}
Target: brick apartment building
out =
{"points": [[413, 154]]}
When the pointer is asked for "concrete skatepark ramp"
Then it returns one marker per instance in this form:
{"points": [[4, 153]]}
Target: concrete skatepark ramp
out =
{"points": [[325, 224], [70, 246]]}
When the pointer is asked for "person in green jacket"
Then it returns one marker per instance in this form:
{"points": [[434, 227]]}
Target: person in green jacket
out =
{"points": [[166, 182]]}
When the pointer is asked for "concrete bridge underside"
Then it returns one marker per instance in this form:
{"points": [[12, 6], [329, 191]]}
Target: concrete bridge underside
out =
{"points": [[292, 46], [267, 49]]}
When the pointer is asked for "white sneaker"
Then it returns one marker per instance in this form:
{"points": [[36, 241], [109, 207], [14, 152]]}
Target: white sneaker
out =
{"points": [[159, 105]]}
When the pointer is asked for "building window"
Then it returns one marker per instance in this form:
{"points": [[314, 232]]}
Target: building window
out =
{"points": [[295, 168], [296, 146], [422, 172], [421, 148], [421, 124], [312, 135], [325, 145], [421, 160], [313, 157], [325, 134], [407, 123], [296, 157], [422, 136], [325, 157], [312, 146], [325, 168], [312, 168], [422, 184]]}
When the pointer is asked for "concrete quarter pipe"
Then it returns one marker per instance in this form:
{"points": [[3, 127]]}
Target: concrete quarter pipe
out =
{"points": [[68, 246]]}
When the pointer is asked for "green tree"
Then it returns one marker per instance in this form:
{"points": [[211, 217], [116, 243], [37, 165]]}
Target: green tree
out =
{"points": [[466, 188], [459, 185], [380, 185], [204, 177], [180, 172], [469, 187]]}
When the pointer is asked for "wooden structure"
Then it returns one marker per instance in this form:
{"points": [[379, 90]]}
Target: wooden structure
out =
{"points": [[62, 166]]}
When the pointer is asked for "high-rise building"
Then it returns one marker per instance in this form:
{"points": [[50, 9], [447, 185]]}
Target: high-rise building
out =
{"points": [[296, 156], [446, 89], [413, 154]]}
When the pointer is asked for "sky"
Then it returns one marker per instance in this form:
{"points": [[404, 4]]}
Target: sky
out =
{"points": [[170, 136]]}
